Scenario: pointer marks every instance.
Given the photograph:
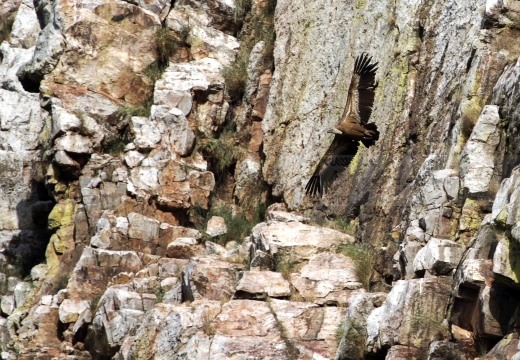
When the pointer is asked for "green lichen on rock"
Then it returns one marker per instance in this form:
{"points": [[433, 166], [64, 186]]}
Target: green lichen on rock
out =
{"points": [[62, 214]]}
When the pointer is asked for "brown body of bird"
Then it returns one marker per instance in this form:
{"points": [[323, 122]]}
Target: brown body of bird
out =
{"points": [[352, 128]]}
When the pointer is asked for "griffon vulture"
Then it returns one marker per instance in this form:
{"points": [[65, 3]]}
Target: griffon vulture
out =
{"points": [[352, 128]]}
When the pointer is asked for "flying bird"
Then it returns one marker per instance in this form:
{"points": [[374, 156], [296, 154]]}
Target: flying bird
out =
{"points": [[352, 128]]}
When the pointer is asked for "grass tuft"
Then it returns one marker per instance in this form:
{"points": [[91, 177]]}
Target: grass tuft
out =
{"points": [[207, 325], [165, 47], [235, 76], [238, 224], [364, 258]]}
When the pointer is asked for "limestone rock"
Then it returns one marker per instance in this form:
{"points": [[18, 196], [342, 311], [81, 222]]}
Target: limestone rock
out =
{"points": [[70, 310], [256, 284], [26, 27], [295, 242], [7, 304], [413, 308], [311, 329], [352, 343], [216, 226], [183, 248], [506, 258], [438, 257], [210, 279], [327, 279], [282, 216], [478, 157]]}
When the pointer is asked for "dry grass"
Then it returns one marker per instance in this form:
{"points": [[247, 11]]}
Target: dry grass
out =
{"points": [[342, 225], [207, 325], [469, 117], [364, 257]]}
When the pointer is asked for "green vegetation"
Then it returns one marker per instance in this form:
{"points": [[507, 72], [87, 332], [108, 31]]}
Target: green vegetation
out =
{"points": [[364, 258], [222, 152], [341, 225], [142, 110], [258, 28], [159, 295], [94, 304], [61, 283], [116, 146], [238, 224], [165, 47]]}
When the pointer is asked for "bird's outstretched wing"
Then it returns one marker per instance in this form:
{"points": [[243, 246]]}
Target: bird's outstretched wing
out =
{"points": [[361, 91], [336, 159]]}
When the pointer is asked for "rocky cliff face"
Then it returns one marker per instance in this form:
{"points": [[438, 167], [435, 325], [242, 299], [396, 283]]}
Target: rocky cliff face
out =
{"points": [[142, 141]]}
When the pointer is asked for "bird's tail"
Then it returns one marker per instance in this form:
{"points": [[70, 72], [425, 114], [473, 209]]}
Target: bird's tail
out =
{"points": [[372, 128], [313, 186]]}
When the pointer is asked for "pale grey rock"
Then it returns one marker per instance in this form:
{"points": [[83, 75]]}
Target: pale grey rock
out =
{"points": [[74, 143], [328, 279], [256, 284], [175, 86], [21, 121], [474, 272], [70, 310], [501, 202], [39, 272], [515, 232], [282, 216], [21, 292], [452, 187], [407, 253], [478, 157], [147, 133], [12, 60], [360, 306], [216, 226], [310, 328], [408, 305], [7, 304], [142, 227], [247, 177], [133, 158], [49, 47], [506, 259], [179, 135], [438, 257], [218, 14], [214, 248], [159, 7], [26, 27], [295, 242]]}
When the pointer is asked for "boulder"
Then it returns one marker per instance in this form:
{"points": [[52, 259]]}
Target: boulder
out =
{"points": [[257, 284], [183, 248], [413, 312], [70, 310], [327, 279], [216, 226], [438, 257], [295, 242]]}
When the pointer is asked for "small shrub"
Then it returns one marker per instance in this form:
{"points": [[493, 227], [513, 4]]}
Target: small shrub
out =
{"points": [[364, 258], [238, 225], [242, 7], [61, 283], [338, 333], [207, 325], [353, 336], [286, 268], [94, 304], [165, 47], [116, 146], [159, 295], [235, 76], [142, 110], [341, 225], [469, 117]]}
